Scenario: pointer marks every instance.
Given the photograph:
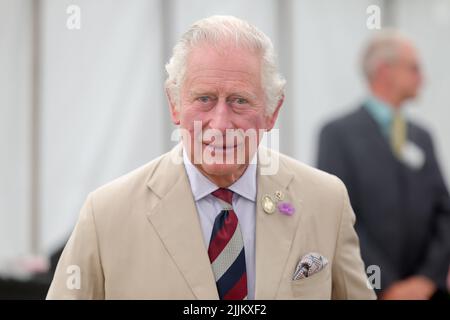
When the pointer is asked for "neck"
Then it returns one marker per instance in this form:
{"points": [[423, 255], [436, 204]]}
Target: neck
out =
{"points": [[224, 181]]}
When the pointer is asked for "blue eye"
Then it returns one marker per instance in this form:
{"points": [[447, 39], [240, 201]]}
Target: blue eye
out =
{"points": [[204, 99], [241, 101]]}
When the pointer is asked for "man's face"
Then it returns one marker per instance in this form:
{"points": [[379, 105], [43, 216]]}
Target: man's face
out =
{"points": [[405, 74], [222, 91]]}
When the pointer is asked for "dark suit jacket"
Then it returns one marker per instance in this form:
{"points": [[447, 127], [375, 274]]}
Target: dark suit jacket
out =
{"points": [[403, 215]]}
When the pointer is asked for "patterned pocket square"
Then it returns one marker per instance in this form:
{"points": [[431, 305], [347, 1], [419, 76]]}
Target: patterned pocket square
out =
{"points": [[310, 264]]}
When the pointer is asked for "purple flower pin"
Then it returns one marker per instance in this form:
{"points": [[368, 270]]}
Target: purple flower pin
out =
{"points": [[286, 208]]}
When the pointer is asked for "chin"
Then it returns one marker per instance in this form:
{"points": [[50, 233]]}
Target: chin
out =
{"points": [[220, 169], [413, 93]]}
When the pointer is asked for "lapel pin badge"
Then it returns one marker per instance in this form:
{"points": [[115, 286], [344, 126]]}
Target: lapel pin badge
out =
{"points": [[268, 204], [279, 195]]}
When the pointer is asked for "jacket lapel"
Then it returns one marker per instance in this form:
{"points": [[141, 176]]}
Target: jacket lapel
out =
{"points": [[176, 221], [274, 232]]}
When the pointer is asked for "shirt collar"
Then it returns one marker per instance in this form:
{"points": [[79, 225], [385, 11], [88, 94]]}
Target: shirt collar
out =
{"points": [[381, 112], [201, 186]]}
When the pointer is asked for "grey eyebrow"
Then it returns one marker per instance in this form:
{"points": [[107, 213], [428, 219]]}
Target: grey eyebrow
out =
{"points": [[245, 94], [200, 93]]}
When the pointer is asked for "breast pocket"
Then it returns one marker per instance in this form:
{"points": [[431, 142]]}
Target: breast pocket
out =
{"points": [[317, 286]]}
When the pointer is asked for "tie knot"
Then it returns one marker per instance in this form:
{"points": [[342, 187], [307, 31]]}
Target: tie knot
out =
{"points": [[225, 195]]}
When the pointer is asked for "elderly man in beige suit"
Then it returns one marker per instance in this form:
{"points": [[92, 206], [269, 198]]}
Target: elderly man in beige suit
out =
{"points": [[217, 218]]}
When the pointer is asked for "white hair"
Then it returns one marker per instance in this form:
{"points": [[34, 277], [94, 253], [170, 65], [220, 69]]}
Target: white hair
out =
{"points": [[219, 29], [383, 48]]}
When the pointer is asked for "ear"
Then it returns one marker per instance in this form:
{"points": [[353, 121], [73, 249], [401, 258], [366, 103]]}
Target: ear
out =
{"points": [[271, 119], [174, 112]]}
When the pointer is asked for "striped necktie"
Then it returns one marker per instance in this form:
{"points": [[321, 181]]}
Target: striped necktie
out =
{"points": [[226, 251]]}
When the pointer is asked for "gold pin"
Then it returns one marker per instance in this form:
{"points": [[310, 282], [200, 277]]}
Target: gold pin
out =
{"points": [[268, 204], [279, 195]]}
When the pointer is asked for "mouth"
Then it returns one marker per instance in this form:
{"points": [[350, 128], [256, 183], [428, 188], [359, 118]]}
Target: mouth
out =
{"points": [[222, 148]]}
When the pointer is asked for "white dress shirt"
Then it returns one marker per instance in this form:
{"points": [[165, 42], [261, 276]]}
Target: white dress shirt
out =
{"points": [[208, 208]]}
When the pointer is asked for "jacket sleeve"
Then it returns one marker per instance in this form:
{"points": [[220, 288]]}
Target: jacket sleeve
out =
{"points": [[349, 277], [79, 272], [331, 155], [437, 261]]}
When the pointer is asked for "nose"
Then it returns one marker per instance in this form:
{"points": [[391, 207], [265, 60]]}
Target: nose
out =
{"points": [[222, 117]]}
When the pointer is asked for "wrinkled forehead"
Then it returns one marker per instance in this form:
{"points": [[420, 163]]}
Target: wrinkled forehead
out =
{"points": [[225, 63]]}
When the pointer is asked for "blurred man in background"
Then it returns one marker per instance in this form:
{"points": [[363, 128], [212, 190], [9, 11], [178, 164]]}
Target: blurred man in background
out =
{"points": [[390, 169]]}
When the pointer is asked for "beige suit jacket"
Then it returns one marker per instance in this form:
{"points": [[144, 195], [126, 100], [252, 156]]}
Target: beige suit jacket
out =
{"points": [[139, 237]]}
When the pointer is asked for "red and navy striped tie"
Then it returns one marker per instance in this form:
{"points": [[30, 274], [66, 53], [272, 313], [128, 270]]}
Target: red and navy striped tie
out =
{"points": [[226, 251]]}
